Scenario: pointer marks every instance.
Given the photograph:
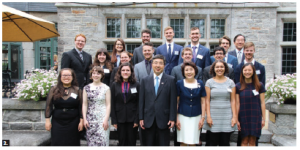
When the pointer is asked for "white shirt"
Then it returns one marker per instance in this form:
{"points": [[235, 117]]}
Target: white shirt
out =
{"points": [[197, 46], [159, 78], [226, 56], [172, 46], [253, 61], [237, 52]]}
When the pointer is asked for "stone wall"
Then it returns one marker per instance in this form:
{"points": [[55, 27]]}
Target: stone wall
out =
{"points": [[23, 115]]}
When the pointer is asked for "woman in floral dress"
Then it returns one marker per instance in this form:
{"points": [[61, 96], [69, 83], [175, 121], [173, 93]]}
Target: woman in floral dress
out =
{"points": [[96, 109]]}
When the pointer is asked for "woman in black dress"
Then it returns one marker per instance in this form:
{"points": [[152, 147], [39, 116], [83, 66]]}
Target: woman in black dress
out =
{"points": [[124, 105], [102, 59], [66, 115]]}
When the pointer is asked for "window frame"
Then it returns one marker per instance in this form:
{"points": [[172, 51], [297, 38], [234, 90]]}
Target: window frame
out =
{"points": [[106, 29], [161, 28], [126, 35]]}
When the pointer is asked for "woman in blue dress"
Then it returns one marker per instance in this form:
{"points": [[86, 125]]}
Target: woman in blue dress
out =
{"points": [[250, 98], [190, 106]]}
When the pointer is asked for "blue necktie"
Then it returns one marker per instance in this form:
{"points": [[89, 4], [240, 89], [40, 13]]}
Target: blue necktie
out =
{"points": [[169, 51], [156, 85]]}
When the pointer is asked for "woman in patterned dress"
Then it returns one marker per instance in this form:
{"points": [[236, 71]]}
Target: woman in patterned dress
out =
{"points": [[96, 109], [250, 98], [220, 105]]}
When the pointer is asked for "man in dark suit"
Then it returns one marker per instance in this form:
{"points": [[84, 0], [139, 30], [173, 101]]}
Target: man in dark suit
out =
{"points": [[169, 50], [239, 42], [187, 55], [249, 50], [157, 104], [138, 52], [231, 61], [219, 54], [144, 68], [78, 60], [201, 55]]}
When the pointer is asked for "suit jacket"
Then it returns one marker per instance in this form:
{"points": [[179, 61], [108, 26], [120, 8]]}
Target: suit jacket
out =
{"points": [[71, 59], [163, 106], [261, 76], [172, 61], [230, 60], [233, 53], [112, 75], [176, 72], [138, 54], [207, 76], [140, 71], [122, 112], [202, 63]]}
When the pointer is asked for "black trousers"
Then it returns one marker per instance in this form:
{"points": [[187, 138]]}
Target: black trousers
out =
{"points": [[219, 138], [127, 134], [155, 136]]}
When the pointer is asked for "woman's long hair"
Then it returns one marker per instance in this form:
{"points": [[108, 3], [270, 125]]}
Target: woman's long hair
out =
{"points": [[119, 78], [254, 77], [114, 53], [59, 89], [107, 62]]}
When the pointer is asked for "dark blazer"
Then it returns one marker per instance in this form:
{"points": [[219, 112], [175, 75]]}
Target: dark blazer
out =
{"points": [[112, 75], [257, 65], [177, 74], [162, 107], [233, 53], [71, 59], [170, 62], [138, 54], [230, 60], [207, 76], [202, 63], [124, 112]]}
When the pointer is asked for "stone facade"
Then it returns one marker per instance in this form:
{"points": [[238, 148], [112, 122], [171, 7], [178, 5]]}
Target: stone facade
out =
{"points": [[257, 21]]}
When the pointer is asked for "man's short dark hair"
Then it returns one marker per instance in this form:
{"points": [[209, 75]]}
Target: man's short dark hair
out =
{"points": [[219, 49], [238, 36], [159, 56], [148, 44], [146, 31]]}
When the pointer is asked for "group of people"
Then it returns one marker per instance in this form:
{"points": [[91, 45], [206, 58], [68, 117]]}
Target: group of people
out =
{"points": [[158, 89]]}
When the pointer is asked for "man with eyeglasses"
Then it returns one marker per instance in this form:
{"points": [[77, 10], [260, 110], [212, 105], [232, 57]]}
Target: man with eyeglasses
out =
{"points": [[138, 52], [239, 42], [78, 60], [231, 61]]}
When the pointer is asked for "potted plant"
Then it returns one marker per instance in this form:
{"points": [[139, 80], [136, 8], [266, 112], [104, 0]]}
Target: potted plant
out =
{"points": [[36, 84], [282, 88]]}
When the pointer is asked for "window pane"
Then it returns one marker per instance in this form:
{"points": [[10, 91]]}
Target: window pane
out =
{"points": [[155, 26], [288, 60], [178, 26], [217, 28], [113, 27], [133, 28], [200, 24], [289, 32]]}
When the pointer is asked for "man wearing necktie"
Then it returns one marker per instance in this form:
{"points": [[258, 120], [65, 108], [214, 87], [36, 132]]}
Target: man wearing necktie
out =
{"points": [[201, 55], [239, 42], [78, 60], [169, 50], [157, 104], [144, 68]]}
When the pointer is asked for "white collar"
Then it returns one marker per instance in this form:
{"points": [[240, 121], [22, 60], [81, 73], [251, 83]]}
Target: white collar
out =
{"points": [[169, 43], [253, 61], [237, 51], [78, 50], [195, 45], [159, 76]]}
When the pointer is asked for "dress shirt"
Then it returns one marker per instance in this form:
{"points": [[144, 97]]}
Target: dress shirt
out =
{"points": [[226, 57], [253, 61], [118, 60], [79, 52], [159, 78], [172, 46], [197, 46]]}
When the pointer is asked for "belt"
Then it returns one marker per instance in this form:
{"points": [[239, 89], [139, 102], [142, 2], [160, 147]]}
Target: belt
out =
{"points": [[65, 109]]}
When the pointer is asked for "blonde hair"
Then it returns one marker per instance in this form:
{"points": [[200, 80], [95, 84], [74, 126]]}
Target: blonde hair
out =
{"points": [[167, 28]]}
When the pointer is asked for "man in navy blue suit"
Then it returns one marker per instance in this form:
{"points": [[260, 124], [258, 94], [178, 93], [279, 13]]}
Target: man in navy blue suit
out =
{"points": [[231, 61], [239, 42], [201, 55], [169, 50]]}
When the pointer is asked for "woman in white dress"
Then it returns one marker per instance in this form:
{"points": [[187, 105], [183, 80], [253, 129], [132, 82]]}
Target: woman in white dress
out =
{"points": [[96, 109]]}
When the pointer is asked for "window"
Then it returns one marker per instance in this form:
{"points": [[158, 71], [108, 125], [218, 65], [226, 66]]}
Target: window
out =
{"points": [[154, 26], [178, 26], [200, 23], [113, 27], [5, 57], [156, 45], [212, 47], [289, 60], [131, 47], [134, 28], [289, 32], [217, 29], [110, 48]]}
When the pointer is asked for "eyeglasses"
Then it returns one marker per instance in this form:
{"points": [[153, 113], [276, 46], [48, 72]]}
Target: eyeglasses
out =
{"points": [[219, 54], [145, 37], [119, 44], [158, 63], [79, 41], [66, 75], [225, 43]]}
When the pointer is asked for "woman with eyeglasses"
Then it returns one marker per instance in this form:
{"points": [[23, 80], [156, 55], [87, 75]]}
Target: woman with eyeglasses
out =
{"points": [[118, 48], [66, 122], [124, 57]]}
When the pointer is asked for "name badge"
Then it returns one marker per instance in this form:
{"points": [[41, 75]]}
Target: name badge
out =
{"points": [[73, 95], [255, 92], [176, 53], [199, 56], [93, 88], [133, 90], [229, 90], [106, 70], [257, 71], [229, 65]]}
